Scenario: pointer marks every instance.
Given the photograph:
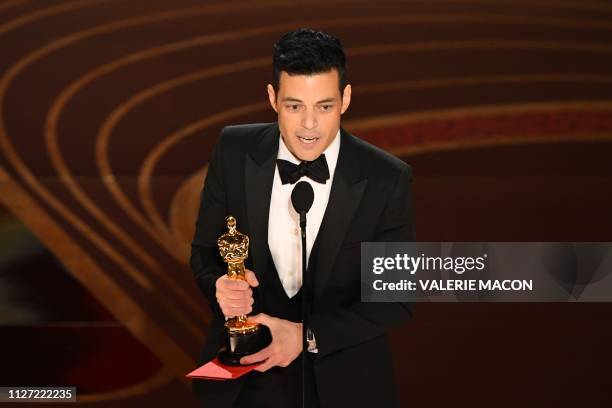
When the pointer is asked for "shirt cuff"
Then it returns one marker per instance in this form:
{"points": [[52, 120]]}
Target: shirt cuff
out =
{"points": [[311, 342]]}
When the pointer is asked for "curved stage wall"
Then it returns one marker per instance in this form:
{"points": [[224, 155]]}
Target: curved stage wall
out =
{"points": [[109, 111]]}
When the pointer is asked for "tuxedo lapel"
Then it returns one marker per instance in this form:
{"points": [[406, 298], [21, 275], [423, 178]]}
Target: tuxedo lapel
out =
{"points": [[347, 189], [259, 177]]}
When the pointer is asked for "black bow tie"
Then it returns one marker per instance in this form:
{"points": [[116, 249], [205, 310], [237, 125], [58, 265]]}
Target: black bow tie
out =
{"points": [[290, 173]]}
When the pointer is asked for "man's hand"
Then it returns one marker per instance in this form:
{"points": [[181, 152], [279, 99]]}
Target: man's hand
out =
{"points": [[285, 347], [235, 296]]}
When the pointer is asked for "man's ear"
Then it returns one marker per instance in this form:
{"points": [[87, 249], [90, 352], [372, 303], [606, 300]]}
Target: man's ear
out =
{"points": [[346, 98], [272, 97]]}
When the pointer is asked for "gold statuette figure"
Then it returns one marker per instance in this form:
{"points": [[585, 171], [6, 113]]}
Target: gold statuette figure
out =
{"points": [[242, 337], [234, 249]]}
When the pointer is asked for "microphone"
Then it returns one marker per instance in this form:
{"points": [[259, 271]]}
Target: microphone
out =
{"points": [[302, 197]]}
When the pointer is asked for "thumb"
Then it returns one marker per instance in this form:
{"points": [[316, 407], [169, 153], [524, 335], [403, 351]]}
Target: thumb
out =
{"points": [[250, 277], [261, 318]]}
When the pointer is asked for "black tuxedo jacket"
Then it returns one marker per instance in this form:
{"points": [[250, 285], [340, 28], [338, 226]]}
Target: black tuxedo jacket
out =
{"points": [[370, 200]]}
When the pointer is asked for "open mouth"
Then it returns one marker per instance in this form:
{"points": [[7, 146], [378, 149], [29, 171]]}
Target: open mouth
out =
{"points": [[308, 139]]}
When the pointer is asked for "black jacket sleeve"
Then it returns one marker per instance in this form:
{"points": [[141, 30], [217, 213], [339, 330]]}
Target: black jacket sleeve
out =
{"points": [[344, 327], [205, 261]]}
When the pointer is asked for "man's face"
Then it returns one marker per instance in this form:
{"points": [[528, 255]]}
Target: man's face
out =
{"points": [[309, 109]]}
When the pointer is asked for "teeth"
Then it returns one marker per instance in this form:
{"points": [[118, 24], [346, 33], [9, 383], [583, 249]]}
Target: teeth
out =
{"points": [[307, 140]]}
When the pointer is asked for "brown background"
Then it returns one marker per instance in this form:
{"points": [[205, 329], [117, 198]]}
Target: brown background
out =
{"points": [[108, 113]]}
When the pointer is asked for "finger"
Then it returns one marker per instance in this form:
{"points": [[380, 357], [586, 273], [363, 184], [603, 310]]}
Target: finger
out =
{"points": [[236, 311], [232, 304], [242, 303], [235, 303], [241, 295], [239, 311], [234, 284], [265, 366], [257, 357], [262, 318], [226, 283], [251, 278]]}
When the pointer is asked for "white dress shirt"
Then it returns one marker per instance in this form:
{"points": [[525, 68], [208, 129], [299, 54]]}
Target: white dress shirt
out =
{"points": [[284, 237]]}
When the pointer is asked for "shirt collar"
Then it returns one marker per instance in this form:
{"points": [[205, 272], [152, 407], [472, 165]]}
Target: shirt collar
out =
{"points": [[331, 153]]}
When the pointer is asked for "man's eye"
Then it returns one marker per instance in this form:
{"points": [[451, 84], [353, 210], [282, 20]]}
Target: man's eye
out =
{"points": [[326, 108], [293, 107]]}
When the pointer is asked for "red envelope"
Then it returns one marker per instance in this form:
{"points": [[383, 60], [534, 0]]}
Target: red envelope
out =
{"points": [[214, 370]]}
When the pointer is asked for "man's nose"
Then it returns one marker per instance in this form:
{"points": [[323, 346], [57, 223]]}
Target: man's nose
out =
{"points": [[309, 120]]}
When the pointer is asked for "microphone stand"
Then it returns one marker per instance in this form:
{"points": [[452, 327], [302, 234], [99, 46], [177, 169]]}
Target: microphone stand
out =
{"points": [[302, 198], [304, 304]]}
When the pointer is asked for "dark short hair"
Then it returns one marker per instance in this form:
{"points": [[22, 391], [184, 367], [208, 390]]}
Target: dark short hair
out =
{"points": [[306, 52]]}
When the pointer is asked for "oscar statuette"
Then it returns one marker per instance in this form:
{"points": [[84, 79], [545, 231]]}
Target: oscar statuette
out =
{"points": [[241, 336]]}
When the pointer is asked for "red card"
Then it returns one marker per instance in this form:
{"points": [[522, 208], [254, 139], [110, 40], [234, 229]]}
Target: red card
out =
{"points": [[214, 370]]}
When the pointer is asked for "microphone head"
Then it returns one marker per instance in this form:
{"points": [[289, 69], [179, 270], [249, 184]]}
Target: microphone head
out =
{"points": [[302, 197]]}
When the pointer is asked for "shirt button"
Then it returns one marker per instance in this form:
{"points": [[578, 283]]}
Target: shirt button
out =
{"points": [[296, 231]]}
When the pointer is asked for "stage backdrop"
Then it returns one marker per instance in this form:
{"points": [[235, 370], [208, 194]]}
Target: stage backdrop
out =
{"points": [[109, 110]]}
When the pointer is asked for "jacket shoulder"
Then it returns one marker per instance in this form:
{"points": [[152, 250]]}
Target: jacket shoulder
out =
{"points": [[379, 162], [245, 132]]}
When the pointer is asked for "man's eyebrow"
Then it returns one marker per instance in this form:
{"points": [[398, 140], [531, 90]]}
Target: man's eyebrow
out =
{"points": [[291, 99]]}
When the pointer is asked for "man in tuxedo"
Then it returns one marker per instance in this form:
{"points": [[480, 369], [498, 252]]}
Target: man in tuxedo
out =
{"points": [[361, 193]]}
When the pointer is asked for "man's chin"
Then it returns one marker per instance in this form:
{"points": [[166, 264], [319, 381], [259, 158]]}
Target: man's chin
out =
{"points": [[309, 152], [308, 156]]}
